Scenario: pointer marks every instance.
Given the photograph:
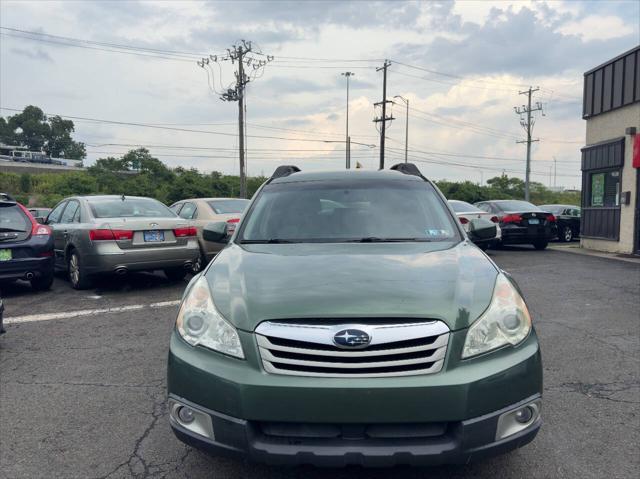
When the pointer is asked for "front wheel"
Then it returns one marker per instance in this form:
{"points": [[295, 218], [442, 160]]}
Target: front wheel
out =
{"points": [[567, 234], [77, 274], [540, 245], [175, 274], [199, 264]]}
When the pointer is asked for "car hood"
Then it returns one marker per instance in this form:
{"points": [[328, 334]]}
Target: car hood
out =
{"points": [[254, 283]]}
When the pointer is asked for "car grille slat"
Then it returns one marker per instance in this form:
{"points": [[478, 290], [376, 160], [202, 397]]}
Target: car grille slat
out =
{"points": [[395, 349]]}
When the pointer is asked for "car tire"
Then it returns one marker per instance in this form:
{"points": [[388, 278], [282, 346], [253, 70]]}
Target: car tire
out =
{"points": [[77, 274], [42, 283], [199, 263], [566, 235], [175, 274], [540, 245]]}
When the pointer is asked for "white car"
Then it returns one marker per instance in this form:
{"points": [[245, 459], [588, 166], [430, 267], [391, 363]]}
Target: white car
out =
{"points": [[467, 212]]}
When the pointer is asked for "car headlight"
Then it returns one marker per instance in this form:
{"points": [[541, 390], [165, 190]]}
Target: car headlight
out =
{"points": [[199, 323], [506, 321]]}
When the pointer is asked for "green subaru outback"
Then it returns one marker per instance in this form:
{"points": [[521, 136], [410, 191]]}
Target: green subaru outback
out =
{"points": [[351, 320]]}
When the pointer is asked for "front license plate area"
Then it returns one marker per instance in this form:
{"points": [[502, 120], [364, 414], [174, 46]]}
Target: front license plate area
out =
{"points": [[534, 221], [5, 255], [153, 236]]}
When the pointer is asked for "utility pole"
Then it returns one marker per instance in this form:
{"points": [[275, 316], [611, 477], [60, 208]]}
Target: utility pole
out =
{"points": [[384, 117], [245, 55], [347, 143], [555, 165], [406, 128], [526, 110]]}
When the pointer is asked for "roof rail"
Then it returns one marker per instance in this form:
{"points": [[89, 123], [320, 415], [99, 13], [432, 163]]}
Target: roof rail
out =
{"points": [[408, 169], [282, 171]]}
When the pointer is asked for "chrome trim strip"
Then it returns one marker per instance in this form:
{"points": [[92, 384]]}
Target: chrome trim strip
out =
{"points": [[264, 343], [380, 334], [268, 357], [436, 367]]}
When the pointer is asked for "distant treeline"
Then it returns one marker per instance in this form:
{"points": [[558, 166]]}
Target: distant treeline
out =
{"points": [[139, 173]]}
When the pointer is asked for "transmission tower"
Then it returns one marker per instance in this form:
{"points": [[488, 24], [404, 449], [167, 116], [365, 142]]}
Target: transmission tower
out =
{"points": [[527, 121], [245, 54]]}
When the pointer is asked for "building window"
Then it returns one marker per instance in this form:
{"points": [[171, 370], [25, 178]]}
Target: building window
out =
{"points": [[605, 188]]}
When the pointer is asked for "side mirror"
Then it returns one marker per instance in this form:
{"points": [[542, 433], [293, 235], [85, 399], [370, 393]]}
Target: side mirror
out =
{"points": [[215, 232], [482, 230]]}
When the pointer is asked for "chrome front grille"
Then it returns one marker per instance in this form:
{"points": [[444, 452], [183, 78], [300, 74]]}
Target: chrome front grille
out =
{"points": [[394, 349]]}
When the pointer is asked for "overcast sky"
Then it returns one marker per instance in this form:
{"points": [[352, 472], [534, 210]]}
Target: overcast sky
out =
{"points": [[473, 58]]}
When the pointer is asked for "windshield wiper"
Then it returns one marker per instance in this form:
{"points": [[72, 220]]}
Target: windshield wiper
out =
{"points": [[267, 241], [375, 239]]}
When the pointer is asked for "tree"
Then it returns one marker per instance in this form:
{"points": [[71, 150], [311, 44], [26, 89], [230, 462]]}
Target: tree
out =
{"points": [[32, 128]]}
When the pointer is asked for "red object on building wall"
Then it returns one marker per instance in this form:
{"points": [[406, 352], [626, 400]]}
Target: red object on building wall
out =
{"points": [[636, 151]]}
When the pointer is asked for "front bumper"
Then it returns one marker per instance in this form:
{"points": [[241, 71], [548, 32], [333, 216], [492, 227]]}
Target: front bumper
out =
{"points": [[467, 395], [461, 442]]}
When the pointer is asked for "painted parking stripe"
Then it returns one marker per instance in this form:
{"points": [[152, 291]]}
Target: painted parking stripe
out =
{"points": [[86, 312]]}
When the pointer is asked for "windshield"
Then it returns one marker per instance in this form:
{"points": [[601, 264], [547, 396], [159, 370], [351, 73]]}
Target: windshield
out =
{"points": [[222, 207], [129, 208], [514, 205], [337, 211], [13, 219], [464, 207], [555, 209]]}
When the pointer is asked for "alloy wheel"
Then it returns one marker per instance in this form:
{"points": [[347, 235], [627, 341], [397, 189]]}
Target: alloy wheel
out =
{"points": [[568, 234], [74, 269]]}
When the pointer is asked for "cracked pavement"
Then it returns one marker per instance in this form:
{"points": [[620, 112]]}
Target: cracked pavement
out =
{"points": [[85, 397]]}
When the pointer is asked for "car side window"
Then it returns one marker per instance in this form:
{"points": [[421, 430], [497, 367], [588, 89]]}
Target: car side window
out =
{"points": [[484, 207], [76, 217], [188, 211], [69, 212], [54, 216], [176, 208]]}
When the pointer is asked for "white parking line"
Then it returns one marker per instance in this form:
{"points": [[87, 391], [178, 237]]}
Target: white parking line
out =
{"points": [[86, 312]]}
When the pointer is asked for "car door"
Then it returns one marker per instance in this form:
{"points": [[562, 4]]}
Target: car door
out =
{"points": [[53, 220], [68, 226]]}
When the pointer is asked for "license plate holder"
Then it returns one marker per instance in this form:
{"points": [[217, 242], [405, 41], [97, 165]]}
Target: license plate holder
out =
{"points": [[534, 221], [153, 236], [5, 255]]}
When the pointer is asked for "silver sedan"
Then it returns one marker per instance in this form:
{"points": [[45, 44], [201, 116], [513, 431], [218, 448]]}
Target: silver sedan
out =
{"points": [[118, 234]]}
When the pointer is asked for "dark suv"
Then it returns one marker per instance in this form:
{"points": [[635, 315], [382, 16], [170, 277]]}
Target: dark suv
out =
{"points": [[26, 247]]}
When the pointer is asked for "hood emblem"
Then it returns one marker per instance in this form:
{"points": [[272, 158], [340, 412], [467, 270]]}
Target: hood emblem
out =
{"points": [[351, 338]]}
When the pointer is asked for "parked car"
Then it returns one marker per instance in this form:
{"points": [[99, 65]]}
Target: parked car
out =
{"points": [[26, 247], [2, 330], [466, 212], [40, 214], [349, 320], [522, 222], [201, 211], [119, 234], [567, 219]]}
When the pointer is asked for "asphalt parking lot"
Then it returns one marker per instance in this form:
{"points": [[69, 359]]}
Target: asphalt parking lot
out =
{"points": [[82, 380]]}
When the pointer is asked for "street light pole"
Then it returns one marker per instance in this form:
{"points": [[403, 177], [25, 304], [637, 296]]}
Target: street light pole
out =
{"points": [[347, 143], [406, 128]]}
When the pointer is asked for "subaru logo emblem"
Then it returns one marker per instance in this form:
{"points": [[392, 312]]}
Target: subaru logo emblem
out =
{"points": [[351, 338]]}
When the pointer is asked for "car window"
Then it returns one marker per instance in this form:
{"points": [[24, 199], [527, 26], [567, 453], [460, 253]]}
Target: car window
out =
{"points": [[516, 205], [176, 208], [334, 211], [188, 210], [129, 208], [54, 216], [12, 218], [232, 206], [463, 207], [69, 212], [484, 207]]}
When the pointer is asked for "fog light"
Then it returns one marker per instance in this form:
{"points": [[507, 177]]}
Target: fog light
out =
{"points": [[185, 414], [524, 415]]}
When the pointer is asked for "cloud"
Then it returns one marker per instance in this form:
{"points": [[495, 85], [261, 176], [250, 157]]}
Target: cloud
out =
{"points": [[35, 54], [598, 27]]}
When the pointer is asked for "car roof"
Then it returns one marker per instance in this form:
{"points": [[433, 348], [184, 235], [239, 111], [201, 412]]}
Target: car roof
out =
{"points": [[563, 206], [346, 175], [109, 197], [210, 199]]}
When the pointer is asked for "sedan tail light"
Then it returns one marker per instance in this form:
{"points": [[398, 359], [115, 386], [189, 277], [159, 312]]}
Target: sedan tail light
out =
{"points": [[232, 224], [551, 218], [463, 220], [495, 219], [110, 235], [511, 219], [184, 232]]}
